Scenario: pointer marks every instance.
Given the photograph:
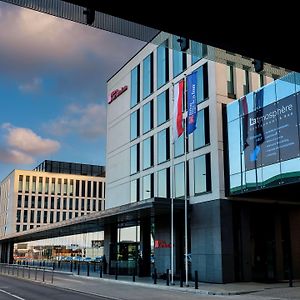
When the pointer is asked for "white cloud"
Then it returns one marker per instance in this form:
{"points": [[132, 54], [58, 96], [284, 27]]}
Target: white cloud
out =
{"points": [[31, 86], [15, 157], [88, 121], [25, 140], [23, 146]]}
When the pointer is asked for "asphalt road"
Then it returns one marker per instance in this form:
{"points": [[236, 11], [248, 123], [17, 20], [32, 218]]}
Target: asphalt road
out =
{"points": [[13, 288]]}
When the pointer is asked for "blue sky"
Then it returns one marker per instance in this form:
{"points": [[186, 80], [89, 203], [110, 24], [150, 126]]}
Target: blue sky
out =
{"points": [[53, 88]]}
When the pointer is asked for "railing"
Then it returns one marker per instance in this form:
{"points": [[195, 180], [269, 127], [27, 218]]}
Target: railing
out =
{"points": [[37, 273]]}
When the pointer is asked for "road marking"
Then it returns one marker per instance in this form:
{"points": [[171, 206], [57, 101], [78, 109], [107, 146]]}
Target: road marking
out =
{"points": [[12, 295]]}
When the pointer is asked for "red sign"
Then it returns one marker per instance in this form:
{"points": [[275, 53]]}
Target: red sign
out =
{"points": [[116, 93], [161, 244]]}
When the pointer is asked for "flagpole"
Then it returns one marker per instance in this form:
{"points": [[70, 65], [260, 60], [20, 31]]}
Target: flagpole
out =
{"points": [[185, 199], [172, 200]]}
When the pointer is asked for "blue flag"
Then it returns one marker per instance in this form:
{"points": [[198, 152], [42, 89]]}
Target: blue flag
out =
{"points": [[191, 102]]}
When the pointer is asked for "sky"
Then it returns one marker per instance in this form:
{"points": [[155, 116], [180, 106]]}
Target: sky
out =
{"points": [[53, 77]]}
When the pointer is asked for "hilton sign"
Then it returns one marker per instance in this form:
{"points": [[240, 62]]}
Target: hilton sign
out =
{"points": [[116, 93]]}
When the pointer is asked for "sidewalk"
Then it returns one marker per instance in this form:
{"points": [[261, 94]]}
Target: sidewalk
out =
{"points": [[238, 288]]}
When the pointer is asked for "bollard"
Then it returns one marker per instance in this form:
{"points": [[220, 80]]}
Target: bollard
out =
{"points": [[133, 275], [40, 263], [94, 266], [52, 276], [44, 275], [181, 278], [78, 268], [71, 267], [53, 266], [18, 271], [59, 264], [29, 273], [88, 269], [23, 272], [196, 280], [155, 276], [35, 277], [100, 271], [168, 278], [116, 271]]}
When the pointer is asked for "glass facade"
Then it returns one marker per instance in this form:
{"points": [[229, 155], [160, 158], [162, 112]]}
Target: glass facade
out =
{"points": [[134, 190], [148, 75], [163, 107], [202, 178], [179, 180], [163, 146], [198, 51], [162, 64], [202, 83], [148, 153], [201, 134], [179, 58], [134, 159], [148, 187], [163, 183], [135, 86], [134, 125], [263, 137], [148, 116]]}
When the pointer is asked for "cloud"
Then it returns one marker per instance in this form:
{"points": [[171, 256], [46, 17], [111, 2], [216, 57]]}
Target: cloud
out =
{"points": [[88, 121], [32, 86], [82, 58], [14, 157], [22, 145]]}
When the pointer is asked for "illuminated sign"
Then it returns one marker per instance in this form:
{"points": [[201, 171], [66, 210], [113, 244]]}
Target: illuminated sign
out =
{"points": [[116, 93], [161, 244]]}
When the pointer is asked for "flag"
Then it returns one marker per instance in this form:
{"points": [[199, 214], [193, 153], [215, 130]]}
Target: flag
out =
{"points": [[245, 118], [177, 110], [191, 102]]}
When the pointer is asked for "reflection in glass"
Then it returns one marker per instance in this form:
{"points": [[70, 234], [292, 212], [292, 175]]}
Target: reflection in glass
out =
{"points": [[251, 179], [162, 107], [198, 51], [163, 183], [148, 75], [233, 111], [271, 175], [147, 187], [162, 64], [134, 161], [200, 174], [179, 58], [235, 183], [234, 142], [269, 93], [134, 125], [134, 190], [202, 83], [148, 116], [290, 170], [179, 146], [148, 153], [135, 86], [179, 180], [163, 146], [199, 133], [285, 86]]}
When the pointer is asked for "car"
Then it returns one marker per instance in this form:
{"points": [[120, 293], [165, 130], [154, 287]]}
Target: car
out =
{"points": [[77, 258], [87, 259], [98, 259]]}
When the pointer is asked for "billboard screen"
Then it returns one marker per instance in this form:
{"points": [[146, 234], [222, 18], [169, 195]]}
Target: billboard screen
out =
{"points": [[263, 136]]}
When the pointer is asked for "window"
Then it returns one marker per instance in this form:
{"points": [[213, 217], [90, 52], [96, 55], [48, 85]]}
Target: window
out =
{"points": [[135, 86], [17, 228], [71, 187], [99, 205], [94, 204], [77, 187], [148, 116], [26, 201], [201, 134], [100, 194], [179, 58], [64, 216], [53, 186], [82, 204], [202, 174], [76, 204], [162, 64], [20, 188], [33, 189], [71, 203], [32, 216], [76, 214], [148, 76], [19, 200], [25, 216], [38, 216], [179, 146], [51, 216], [148, 186], [148, 153], [202, 83], [163, 183], [89, 188], [24, 227], [134, 159], [18, 215], [32, 201], [94, 189], [47, 185], [40, 185], [57, 216], [58, 203], [65, 186], [198, 51], [52, 203], [70, 215], [246, 82], [179, 180], [27, 184], [162, 107], [230, 82], [261, 80], [65, 203], [82, 188], [59, 187], [163, 146], [46, 202], [88, 205], [134, 190], [135, 125], [39, 201]]}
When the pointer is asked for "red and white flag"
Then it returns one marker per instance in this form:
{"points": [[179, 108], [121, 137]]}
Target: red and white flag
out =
{"points": [[177, 110]]}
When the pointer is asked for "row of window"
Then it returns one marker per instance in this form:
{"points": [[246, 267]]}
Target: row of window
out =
{"points": [[61, 186], [202, 181], [34, 216], [56, 203], [162, 63], [200, 139]]}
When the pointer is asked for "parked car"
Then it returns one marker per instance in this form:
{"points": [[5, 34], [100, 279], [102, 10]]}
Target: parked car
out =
{"points": [[87, 259]]}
